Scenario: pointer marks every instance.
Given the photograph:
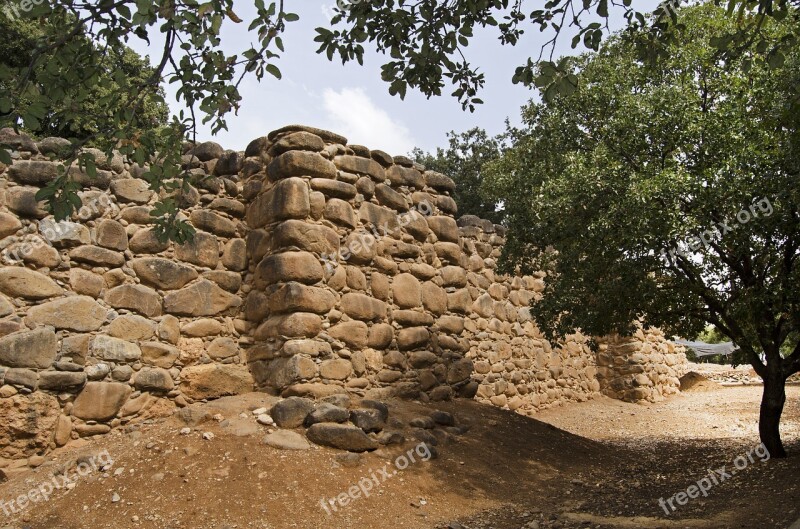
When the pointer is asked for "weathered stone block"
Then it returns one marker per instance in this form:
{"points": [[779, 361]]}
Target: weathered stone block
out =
{"points": [[296, 297], [203, 298], [100, 401], [300, 163], [302, 267], [361, 307], [162, 273], [19, 282], [139, 298], [76, 313], [30, 349]]}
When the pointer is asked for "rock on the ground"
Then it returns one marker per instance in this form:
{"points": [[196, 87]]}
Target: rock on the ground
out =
{"points": [[286, 440], [291, 412], [327, 412], [341, 436]]}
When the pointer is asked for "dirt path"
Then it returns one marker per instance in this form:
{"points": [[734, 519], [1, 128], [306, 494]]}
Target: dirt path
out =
{"points": [[601, 464]]}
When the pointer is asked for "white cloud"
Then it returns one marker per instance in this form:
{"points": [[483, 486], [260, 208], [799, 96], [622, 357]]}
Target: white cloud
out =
{"points": [[352, 113]]}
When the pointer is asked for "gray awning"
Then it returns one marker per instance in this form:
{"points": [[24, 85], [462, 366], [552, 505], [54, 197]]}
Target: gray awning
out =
{"points": [[708, 349]]}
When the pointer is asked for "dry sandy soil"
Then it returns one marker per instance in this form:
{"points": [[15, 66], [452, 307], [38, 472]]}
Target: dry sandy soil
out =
{"points": [[600, 464]]}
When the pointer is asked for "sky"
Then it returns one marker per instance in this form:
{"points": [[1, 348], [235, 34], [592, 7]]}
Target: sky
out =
{"points": [[352, 100]]}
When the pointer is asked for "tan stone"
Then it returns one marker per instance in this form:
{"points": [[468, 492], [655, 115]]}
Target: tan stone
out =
{"points": [[100, 401], [230, 281], [97, 256], [132, 190], [9, 225], [361, 307], [453, 276], [379, 286], [380, 336], [22, 201], [287, 199], [412, 318], [359, 248], [406, 291], [448, 252], [202, 327], [145, 241], [300, 163], [297, 325], [444, 228], [37, 253], [434, 298], [112, 235], [384, 220], [390, 198], [76, 313], [63, 430], [336, 369], [334, 188], [404, 176], [352, 333], [169, 329], [213, 222], [302, 267], [307, 347], [340, 212], [459, 301], [114, 349], [19, 282], [162, 273], [296, 297], [154, 380], [359, 165], [234, 255], [131, 327], [202, 251], [159, 354], [211, 381], [86, 283], [297, 141], [139, 298], [284, 372], [451, 324], [203, 298], [29, 349], [412, 338], [314, 238], [222, 348]]}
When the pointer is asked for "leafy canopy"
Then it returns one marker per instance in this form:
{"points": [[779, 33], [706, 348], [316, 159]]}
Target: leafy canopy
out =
{"points": [[80, 113], [427, 40], [610, 188]]}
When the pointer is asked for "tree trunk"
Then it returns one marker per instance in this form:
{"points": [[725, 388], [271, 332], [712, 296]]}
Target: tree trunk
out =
{"points": [[771, 409]]}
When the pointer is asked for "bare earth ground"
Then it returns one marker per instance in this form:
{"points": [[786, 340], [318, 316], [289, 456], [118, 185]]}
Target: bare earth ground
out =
{"points": [[600, 464]]}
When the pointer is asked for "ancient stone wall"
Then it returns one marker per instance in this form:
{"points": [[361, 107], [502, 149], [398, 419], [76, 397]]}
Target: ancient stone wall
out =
{"points": [[642, 367], [318, 267], [98, 318]]}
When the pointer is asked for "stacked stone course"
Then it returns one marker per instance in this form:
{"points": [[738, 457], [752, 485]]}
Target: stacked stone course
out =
{"points": [[317, 268]]}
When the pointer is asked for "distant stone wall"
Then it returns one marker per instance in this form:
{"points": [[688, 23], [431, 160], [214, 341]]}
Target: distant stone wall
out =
{"points": [[318, 267], [642, 367]]}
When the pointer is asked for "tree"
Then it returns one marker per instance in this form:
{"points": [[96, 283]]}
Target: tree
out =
{"points": [[670, 193], [463, 161], [89, 117]]}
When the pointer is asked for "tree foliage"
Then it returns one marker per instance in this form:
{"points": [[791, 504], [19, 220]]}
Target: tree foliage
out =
{"points": [[427, 40], [668, 192], [79, 114], [463, 161], [79, 43]]}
